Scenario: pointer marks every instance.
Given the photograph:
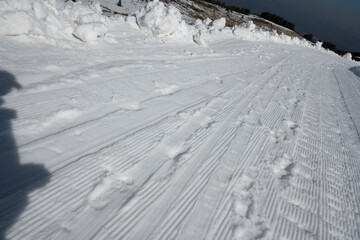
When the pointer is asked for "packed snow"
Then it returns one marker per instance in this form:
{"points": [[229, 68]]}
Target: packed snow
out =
{"points": [[148, 127]]}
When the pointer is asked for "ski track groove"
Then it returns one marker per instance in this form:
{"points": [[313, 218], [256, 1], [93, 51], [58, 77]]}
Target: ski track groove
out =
{"points": [[220, 144], [198, 180], [59, 210], [278, 158]]}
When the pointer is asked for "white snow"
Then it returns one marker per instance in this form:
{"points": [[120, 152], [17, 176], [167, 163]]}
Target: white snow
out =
{"points": [[52, 19], [90, 31], [219, 23], [347, 56], [249, 31], [158, 20], [151, 128]]}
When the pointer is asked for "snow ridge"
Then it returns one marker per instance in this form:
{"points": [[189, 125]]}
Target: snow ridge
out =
{"points": [[83, 20]]}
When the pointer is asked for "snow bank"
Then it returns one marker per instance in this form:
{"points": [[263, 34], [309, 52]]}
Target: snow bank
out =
{"points": [[166, 21], [52, 19], [158, 20], [249, 31], [84, 20]]}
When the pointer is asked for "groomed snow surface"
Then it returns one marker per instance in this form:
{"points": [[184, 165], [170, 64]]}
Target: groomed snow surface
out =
{"points": [[147, 127]]}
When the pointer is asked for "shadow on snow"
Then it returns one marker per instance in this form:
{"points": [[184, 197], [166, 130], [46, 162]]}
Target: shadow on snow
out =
{"points": [[16, 180], [355, 70]]}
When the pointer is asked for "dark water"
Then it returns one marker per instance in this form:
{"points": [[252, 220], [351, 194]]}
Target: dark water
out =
{"points": [[337, 21]]}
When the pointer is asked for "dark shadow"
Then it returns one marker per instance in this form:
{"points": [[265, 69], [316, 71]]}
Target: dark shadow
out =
{"points": [[16, 180], [355, 70]]}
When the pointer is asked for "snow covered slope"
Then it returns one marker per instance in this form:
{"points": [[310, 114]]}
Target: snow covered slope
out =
{"points": [[197, 9], [133, 136]]}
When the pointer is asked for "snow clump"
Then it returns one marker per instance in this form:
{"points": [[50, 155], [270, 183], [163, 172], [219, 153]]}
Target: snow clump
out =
{"points": [[318, 45], [52, 19], [158, 20], [347, 56], [219, 23]]}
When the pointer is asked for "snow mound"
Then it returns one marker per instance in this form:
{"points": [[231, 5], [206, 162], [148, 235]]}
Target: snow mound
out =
{"points": [[348, 56], [249, 31], [52, 19], [83, 20], [318, 45], [219, 23], [90, 31], [158, 20]]}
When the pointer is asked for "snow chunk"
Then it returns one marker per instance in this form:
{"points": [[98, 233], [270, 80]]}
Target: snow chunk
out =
{"points": [[63, 117], [40, 10], [20, 23], [166, 89], [108, 183], [198, 38], [318, 45], [348, 56], [158, 20], [90, 31], [283, 166], [177, 150], [219, 23], [52, 19], [207, 21]]}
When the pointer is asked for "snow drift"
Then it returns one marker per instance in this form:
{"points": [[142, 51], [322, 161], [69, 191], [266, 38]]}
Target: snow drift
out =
{"points": [[249, 31], [83, 20]]}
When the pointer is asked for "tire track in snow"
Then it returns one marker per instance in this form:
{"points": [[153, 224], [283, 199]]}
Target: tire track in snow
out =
{"points": [[252, 226], [306, 211]]}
